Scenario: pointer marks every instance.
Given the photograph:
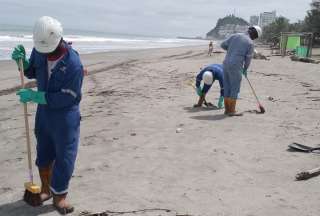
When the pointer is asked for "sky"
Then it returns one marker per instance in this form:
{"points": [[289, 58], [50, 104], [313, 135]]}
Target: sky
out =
{"points": [[169, 18]]}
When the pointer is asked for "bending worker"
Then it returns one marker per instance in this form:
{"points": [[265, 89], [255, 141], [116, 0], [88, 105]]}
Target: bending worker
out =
{"points": [[208, 75], [237, 61], [59, 74]]}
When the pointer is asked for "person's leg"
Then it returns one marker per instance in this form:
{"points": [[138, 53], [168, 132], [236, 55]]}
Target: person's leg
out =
{"points": [[66, 139], [45, 177], [227, 89], [235, 89], [44, 161]]}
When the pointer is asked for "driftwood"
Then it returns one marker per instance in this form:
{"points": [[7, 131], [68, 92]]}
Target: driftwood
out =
{"points": [[137, 212], [308, 174], [257, 55], [306, 60]]}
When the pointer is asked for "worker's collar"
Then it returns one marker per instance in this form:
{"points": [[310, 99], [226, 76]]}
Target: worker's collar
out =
{"points": [[58, 53]]}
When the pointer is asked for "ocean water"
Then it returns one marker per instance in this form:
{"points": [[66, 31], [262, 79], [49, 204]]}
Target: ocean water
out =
{"points": [[89, 42]]}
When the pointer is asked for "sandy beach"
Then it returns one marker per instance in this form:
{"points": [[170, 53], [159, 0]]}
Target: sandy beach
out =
{"points": [[144, 146]]}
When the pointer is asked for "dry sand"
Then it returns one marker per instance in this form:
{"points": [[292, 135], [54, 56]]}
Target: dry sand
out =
{"points": [[131, 156]]}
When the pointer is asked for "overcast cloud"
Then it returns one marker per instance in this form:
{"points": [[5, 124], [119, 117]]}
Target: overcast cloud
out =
{"points": [[147, 17]]}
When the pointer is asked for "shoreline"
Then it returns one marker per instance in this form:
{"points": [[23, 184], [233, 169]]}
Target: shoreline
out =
{"points": [[129, 50]]}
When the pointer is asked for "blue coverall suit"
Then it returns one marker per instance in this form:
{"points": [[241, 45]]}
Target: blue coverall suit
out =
{"points": [[57, 124], [239, 54], [217, 72]]}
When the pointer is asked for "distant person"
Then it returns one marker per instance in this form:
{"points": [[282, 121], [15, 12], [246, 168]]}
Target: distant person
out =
{"points": [[59, 73], [210, 48], [239, 49], [208, 75]]}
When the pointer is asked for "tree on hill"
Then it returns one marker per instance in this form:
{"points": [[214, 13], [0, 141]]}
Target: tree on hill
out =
{"points": [[311, 23], [315, 5], [272, 32]]}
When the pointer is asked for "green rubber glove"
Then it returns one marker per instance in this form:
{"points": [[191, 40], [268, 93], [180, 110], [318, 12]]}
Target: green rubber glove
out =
{"points": [[28, 95], [199, 91], [220, 102], [20, 53], [244, 72]]}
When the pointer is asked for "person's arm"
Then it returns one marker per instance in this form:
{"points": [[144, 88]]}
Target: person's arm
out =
{"points": [[221, 87], [199, 77], [225, 44], [206, 88], [248, 57], [70, 92]]}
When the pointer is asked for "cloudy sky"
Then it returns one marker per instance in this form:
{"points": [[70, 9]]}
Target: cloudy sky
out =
{"points": [[146, 17]]}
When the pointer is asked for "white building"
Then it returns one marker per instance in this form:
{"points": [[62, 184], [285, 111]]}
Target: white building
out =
{"points": [[254, 20], [267, 18]]}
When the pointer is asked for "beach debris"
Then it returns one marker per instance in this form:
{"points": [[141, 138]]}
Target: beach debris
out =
{"points": [[133, 134], [179, 130], [270, 98], [303, 148], [314, 89], [304, 59], [305, 84], [135, 212], [257, 55], [305, 175], [314, 98]]}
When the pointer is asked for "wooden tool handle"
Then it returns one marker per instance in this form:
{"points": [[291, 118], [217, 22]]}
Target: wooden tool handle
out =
{"points": [[26, 122]]}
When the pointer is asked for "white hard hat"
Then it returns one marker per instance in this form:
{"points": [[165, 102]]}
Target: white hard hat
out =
{"points": [[207, 77], [258, 29], [47, 33]]}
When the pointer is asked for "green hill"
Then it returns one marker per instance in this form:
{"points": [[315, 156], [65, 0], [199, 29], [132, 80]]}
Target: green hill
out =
{"points": [[228, 24]]}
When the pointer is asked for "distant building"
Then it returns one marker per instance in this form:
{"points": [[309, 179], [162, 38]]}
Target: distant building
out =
{"points": [[254, 20], [267, 18], [315, 5]]}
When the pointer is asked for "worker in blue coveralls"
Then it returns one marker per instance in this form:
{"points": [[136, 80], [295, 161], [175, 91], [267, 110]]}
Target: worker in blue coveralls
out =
{"points": [[208, 75], [59, 73], [239, 49]]}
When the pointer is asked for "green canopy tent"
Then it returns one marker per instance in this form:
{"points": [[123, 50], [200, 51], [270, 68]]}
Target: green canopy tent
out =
{"points": [[300, 43]]}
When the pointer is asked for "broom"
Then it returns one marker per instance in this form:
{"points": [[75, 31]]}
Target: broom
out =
{"points": [[32, 191]]}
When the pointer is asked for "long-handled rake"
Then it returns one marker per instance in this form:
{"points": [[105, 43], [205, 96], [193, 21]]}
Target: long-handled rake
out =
{"points": [[262, 110]]}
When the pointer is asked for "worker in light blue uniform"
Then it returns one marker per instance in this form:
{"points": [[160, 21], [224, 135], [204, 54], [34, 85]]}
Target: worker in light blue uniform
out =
{"points": [[59, 74], [239, 49], [208, 75]]}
